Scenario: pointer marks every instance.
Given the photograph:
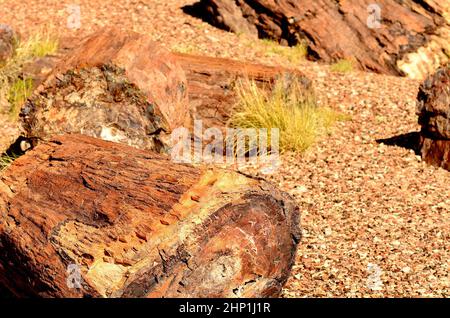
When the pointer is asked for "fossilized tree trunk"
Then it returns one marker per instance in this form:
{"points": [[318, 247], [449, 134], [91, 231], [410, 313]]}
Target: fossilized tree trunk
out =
{"points": [[433, 108], [211, 84], [117, 86], [139, 225], [386, 36], [208, 85]]}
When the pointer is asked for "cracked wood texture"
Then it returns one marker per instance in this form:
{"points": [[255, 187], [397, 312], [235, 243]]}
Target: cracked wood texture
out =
{"points": [[139, 225], [412, 38], [211, 83], [118, 86]]}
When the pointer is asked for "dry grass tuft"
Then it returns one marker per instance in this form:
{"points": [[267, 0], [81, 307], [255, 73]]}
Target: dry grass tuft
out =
{"points": [[343, 66], [287, 107], [14, 89], [6, 160], [185, 48], [18, 93], [292, 54]]}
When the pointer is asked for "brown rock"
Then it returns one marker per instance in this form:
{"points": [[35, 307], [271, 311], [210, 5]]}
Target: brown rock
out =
{"points": [[211, 82], [346, 29], [116, 86], [8, 40], [433, 108], [436, 151], [433, 105], [228, 15], [125, 218]]}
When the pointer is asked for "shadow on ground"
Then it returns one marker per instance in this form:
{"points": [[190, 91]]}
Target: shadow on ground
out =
{"points": [[409, 141], [198, 10]]}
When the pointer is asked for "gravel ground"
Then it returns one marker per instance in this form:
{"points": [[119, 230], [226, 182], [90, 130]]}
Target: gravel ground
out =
{"points": [[364, 202], [376, 219]]}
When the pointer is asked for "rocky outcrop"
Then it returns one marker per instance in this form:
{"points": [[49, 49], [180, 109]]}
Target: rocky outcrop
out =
{"points": [[211, 84], [8, 41], [433, 108], [117, 86], [386, 36], [86, 217]]}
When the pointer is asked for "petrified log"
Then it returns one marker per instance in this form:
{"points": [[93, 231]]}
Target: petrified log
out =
{"points": [[211, 82], [136, 224], [117, 86], [386, 36], [433, 108]]}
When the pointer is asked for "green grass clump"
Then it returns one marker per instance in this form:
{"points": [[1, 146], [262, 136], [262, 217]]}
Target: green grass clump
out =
{"points": [[12, 88], [37, 45], [6, 160], [342, 66], [43, 45], [185, 48], [287, 107], [292, 54], [18, 93]]}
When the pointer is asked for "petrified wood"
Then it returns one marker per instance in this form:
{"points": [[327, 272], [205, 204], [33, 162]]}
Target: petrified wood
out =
{"points": [[211, 82], [116, 85], [386, 36], [436, 152], [138, 225], [433, 109]]}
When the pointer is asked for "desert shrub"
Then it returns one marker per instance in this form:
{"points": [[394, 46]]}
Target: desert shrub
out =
{"points": [[288, 107], [342, 66]]}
